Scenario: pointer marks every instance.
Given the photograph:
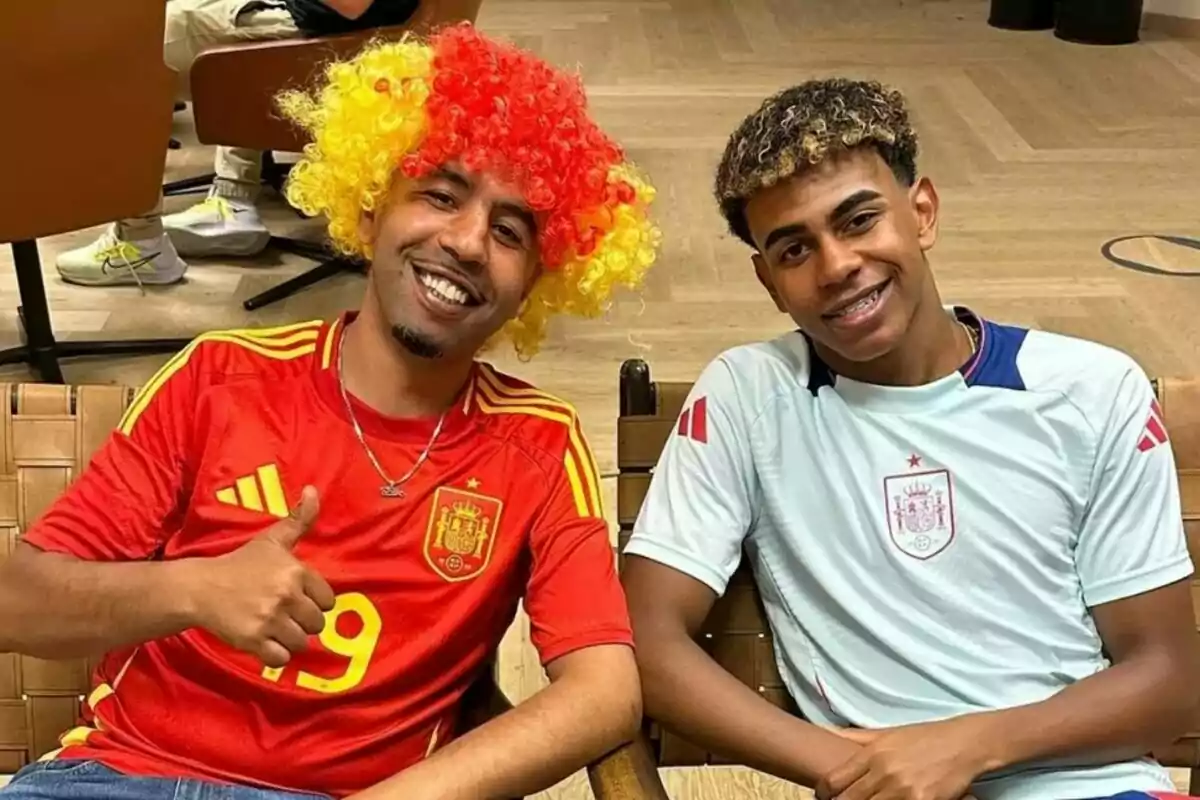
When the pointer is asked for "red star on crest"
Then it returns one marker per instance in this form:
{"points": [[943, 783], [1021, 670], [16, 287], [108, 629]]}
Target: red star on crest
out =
{"points": [[914, 460]]}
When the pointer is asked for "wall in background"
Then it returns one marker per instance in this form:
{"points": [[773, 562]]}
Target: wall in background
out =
{"points": [[1176, 8]]}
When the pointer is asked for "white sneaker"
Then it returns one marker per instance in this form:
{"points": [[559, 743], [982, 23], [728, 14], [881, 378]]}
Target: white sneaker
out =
{"points": [[109, 261], [219, 226]]}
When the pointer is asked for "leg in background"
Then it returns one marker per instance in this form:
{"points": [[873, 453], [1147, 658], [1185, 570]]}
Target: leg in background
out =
{"points": [[227, 222], [130, 251], [142, 250], [195, 25]]}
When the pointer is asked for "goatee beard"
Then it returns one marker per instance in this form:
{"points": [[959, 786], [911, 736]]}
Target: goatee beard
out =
{"points": [[412, 341]]}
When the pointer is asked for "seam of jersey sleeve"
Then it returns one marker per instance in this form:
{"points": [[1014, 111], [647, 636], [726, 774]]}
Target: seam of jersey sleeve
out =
{"points": [[751, 420], [1142, 580], [676, 558], [590, 638]]}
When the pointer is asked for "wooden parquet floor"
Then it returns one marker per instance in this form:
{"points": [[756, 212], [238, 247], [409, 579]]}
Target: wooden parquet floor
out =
{"points": [[1042, 151]]}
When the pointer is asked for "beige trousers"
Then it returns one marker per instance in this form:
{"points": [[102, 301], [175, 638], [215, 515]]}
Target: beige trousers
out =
{"points": [[193, 26]]}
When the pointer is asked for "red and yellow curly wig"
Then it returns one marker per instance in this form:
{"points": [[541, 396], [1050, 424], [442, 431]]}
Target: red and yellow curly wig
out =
{"points": [[415, 105]]}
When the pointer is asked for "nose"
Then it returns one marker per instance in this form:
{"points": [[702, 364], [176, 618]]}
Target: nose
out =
{"points": [[839, 262], [464, 236]]}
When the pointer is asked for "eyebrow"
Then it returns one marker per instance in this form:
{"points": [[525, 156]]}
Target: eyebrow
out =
{"points": [[453, 176], [843, 208]]}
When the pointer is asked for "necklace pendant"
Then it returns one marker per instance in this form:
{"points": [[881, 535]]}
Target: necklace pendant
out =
{"points": [[391, 490]]}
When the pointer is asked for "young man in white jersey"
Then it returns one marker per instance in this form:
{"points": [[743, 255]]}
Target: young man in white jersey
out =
{"points": [[967, 535]]}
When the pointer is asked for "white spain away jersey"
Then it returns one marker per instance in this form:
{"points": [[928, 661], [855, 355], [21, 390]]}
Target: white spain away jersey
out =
{"points": [[932, 551]]}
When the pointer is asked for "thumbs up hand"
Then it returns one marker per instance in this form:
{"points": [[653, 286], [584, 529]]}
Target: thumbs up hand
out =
{"points": [[260, 598]]}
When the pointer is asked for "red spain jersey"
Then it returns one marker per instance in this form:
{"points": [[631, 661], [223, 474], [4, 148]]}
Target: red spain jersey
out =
{"points": [[218, 445]]}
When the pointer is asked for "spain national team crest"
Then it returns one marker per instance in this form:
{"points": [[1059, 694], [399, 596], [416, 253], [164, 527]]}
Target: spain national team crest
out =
{"points": [[461, 533], [920, 512]]}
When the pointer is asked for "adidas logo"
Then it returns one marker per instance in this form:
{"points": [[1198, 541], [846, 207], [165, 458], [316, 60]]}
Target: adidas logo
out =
{"points": [[1155, 432], [261, 491]]}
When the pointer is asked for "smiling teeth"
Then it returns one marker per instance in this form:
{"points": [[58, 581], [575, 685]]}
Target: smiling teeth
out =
{"points": [[861, 305], [444, 290]]}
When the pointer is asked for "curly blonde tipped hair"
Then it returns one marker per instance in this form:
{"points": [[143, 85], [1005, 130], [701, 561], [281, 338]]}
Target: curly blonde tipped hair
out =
{"points": [[805, 125]]}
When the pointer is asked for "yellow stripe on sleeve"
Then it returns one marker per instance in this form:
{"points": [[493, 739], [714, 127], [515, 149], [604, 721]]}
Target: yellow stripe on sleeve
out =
{"points": [[327, 350], [496, 398], [591, 472], [76, 736], [295, 341], [577, 492], [98, 694]]}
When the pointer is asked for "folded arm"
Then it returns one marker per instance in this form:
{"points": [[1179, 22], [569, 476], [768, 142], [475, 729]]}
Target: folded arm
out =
{"points": [[591, 706], [1132, 561], [1147, 699]]}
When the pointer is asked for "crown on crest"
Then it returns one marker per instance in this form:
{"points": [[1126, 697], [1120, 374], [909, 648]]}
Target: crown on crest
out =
{"points": [[467, 510], [918, 490]]}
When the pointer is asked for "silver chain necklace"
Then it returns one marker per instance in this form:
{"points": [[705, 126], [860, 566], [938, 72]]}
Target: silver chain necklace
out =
{"points": [[972, 339], [390, 488]]}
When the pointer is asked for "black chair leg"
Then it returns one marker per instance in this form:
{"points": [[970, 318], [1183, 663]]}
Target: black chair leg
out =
{"points": [[328, 268], [40, 349], [196, 183]]}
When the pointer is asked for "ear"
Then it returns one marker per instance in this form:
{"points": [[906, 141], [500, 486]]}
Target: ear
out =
{"points": [[368, 230], [763, 272], [925, 205]]}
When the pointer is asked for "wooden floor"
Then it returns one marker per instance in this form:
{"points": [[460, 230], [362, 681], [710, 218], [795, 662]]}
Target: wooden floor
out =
{"points": [[1042, 151]]}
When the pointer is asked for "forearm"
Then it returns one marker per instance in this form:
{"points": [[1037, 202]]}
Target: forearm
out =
{"points": [[1125, 711], [54, 606], [732, 719], [571, 723]]}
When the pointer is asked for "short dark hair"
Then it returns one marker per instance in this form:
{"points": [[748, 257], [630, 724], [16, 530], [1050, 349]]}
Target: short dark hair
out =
{"points": [[805, 125]]}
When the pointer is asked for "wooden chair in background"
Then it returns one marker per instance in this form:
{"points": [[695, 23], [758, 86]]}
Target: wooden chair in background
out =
{"points": [[233, 92], [86, 104], [736, 633]]}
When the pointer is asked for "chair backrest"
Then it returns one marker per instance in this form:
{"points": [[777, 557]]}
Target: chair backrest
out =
{"points": [[736, 631], [86, 104], [47, 434], [234, 86]]}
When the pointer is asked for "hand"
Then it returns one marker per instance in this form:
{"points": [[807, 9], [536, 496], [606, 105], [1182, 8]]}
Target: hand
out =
{"points": [[932, 761], [262, 599]]}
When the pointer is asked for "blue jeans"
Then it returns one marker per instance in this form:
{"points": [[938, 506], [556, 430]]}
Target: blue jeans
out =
{"points": [[74, 779]]}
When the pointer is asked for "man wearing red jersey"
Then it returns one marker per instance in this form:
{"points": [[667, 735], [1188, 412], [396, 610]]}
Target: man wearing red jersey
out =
{"points": [[302, 545]]}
